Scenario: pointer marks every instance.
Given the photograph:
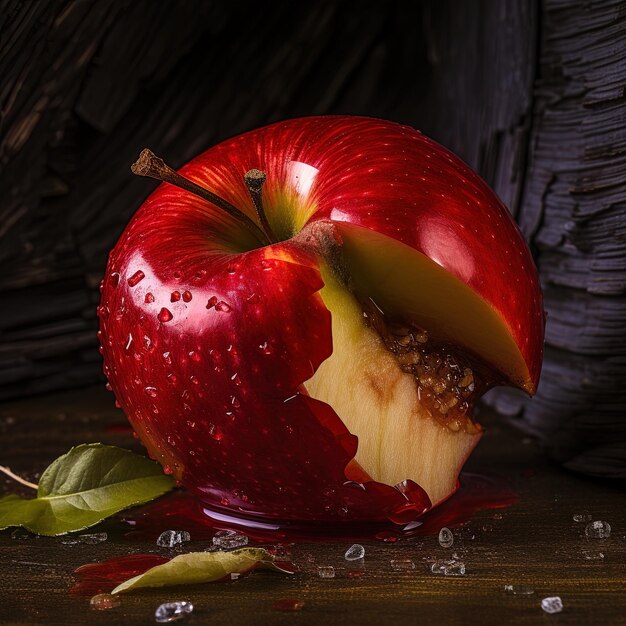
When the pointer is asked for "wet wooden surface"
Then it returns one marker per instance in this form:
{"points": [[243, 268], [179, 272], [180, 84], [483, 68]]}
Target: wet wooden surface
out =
{"points": [[534, 543]]}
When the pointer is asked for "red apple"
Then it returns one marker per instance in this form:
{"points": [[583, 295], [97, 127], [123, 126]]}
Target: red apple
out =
{"points": [[317, 359]]}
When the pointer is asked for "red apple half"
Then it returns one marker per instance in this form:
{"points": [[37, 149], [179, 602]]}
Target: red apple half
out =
{"points": [[322, 369]]}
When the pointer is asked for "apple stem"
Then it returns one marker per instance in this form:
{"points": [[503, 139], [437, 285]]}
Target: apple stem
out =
{"points": [[255, 179], [16, 478], [150, 165]]}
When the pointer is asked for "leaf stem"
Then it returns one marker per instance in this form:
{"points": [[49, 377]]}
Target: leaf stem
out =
{"points": [[16, 478]]}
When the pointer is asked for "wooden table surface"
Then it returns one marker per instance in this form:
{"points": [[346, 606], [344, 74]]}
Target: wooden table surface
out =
{"points": [[534, 543]]}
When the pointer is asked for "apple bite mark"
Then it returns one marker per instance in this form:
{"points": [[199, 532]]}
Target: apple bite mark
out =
{"points": [[363, 380]]}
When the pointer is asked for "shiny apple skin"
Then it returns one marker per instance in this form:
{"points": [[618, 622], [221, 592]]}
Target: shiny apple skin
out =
{"points": [[206, 349]]}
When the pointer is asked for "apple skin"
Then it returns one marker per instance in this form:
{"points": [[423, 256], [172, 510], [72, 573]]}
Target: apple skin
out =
{"points": [[207, 342]]}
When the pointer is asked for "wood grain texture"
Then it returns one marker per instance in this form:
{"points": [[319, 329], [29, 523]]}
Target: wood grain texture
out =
{"points": [[573, 210], [531, 94], [534, 543]]}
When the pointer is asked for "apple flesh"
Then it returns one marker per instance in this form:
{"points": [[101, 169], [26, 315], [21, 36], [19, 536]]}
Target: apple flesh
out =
{"points": [[328, 375]]}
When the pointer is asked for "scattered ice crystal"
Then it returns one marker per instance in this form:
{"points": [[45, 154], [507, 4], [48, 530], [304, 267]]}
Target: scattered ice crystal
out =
{"points": [[172, 611], [581, 517], [598, 530], [519, 590], [172, 538], [552, 605], [591, 555], [453, 567], [446, 538], [104, 601], [326, 571], [229, 539], [90, 539], [402, 564], [355, 552]]}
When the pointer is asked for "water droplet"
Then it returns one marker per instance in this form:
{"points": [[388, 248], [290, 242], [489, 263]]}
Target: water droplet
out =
{"points": [[171, 538], [147, 343], [229, 539], [552, 605], [172, 611], [175, 296], [235, 402], [105, 601], [402, 564], [149, 298], [212, 301], [235, 378], [265, 349], [90, 539], [114, 279], [222, 306], [167, 470], [172, 379], [195, 356], [165, 315], [598, 530], [129, 343], [136, 278], [354, 552], [177, 275], [151, 392], [215, 432], [167, 357], [581, 517], [187, 296], [446, 538], [194, 380]]}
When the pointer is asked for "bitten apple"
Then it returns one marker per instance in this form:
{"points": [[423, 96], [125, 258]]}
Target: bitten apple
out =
{"points": [[299, 323]]}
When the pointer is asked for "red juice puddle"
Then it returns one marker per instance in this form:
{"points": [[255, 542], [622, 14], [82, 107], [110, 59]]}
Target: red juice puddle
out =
{"points": [[182, 511], [103, 577]]}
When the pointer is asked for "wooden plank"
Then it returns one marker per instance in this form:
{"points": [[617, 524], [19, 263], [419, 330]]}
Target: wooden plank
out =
{"points": [[534, 543]]}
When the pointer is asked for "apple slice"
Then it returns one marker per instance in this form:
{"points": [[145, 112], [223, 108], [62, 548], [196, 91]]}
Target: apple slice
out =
{"points": [[398, 436]]}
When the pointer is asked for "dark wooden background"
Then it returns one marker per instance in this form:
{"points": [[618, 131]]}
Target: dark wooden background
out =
{"points": [[529, 93]]}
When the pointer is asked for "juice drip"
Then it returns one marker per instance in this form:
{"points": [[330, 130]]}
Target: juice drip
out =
{"points": [[94, 578], [182, 511]]}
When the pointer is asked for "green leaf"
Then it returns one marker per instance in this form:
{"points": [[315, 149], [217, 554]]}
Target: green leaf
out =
{"points": [[200, 567], [81, 488]]}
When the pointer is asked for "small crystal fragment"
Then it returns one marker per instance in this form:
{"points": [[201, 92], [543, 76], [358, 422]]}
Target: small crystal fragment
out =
{"points": [[591, 555], [598, 530], [288, 605], [581, 517], [402, 564], [552, 605], [326, 571], [229, 539], [446, 538], [452, 567], [172, 611], [172, 538], [104, 601], [90, 539], [519, 590], [355, 552]]}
